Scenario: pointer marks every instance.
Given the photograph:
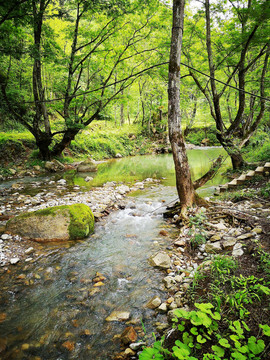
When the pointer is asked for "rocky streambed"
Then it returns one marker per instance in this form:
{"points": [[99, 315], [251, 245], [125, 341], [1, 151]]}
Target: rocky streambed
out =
{"points": [[14, 200], [113, 297]]}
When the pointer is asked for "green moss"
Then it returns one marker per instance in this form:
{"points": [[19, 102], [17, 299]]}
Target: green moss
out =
{"points": [[82, 221], [81, 218]]}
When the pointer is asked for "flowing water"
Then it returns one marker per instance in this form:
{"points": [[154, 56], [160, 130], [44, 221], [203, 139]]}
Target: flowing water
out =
{"points": [[52, 310]]}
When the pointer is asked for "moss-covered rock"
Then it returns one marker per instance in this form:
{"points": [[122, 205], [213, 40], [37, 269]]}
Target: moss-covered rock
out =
{"points": [[58, 223]]}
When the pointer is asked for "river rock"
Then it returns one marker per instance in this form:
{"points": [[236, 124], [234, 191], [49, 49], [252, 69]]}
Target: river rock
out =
{"points": [[14, 261], [161, 260], [215, 238], [137, 346], [245, 236], [169, 281], [58, 223], [153, 303], [229, 243], [122, 189], [87, 166], [257, 230], [163, 308], [213, 247], [118, 316], [129, 335]]}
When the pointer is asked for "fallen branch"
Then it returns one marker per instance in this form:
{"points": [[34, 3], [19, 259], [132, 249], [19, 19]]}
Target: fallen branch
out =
{"points": [[210, 173]]}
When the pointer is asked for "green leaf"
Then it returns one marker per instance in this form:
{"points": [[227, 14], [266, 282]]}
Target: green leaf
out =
{"points": [[187, 339], [200, 339], [264, 289], [218, 350], [238, 356], [181, 353], [255, 346], [181, 313], [204, 307], [266, 329], [224, 343], [245, 326], [181, 327], [194, 330], [150, 353], [216, 315]]}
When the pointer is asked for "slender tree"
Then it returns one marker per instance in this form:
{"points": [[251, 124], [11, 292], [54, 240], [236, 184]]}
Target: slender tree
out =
{"points": [[184, 184]]}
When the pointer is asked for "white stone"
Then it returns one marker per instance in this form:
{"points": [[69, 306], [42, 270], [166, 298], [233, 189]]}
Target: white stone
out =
{"points": [[14, 261], [6, 237], [29, 250]]}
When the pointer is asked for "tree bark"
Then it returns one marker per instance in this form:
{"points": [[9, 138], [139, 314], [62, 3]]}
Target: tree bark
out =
{"points": [[184, 184]]}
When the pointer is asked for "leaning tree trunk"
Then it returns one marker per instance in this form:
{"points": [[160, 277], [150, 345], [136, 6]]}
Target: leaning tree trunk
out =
{"points": [[184, 184]]}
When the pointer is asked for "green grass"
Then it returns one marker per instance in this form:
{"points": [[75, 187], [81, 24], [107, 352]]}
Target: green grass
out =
{"points": [[104, 140]]}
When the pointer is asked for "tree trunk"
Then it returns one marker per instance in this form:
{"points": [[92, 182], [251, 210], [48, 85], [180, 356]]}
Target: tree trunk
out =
{"points": [[184, 184]]}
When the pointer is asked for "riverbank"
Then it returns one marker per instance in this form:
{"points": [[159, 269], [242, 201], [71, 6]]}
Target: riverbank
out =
{"points": [[221, 259]]}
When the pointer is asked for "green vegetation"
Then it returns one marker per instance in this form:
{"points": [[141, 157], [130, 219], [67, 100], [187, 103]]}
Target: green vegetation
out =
{"points": [[206, 329], [219, 329]]}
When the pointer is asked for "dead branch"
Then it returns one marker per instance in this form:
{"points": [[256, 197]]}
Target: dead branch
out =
{"points": [[210, 173]]}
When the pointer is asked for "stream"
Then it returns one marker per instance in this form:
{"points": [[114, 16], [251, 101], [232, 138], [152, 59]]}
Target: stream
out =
{"points": [[51, 309]]}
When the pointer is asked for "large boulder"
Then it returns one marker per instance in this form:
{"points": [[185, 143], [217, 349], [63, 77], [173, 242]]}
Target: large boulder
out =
{"points": [[58, 223], [87, 166]]}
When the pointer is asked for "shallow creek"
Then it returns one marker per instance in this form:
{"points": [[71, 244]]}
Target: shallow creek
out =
{"points": [[52, 310]]}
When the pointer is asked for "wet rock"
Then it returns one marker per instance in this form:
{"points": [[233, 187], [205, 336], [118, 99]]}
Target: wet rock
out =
{"points": [[129, 335], [163, 233], [87, 166], [213, 248], [3, 345], [69, 345], [3, 317], [129, 352], [161, 260], [56, 223], [153, 303], [118, 316]]}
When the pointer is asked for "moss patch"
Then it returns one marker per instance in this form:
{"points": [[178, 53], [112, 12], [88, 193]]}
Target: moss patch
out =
{"points": [[81, 221], [65, 222]]}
